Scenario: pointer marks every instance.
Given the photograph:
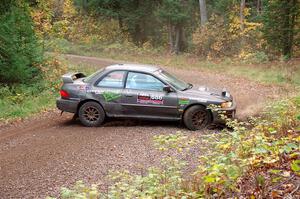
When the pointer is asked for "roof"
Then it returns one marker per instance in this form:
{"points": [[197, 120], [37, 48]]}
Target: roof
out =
{"points": [[134, 67]]}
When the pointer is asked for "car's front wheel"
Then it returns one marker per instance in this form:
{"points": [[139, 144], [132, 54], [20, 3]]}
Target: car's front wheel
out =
{"points": [[91, 114], [196, 117]]}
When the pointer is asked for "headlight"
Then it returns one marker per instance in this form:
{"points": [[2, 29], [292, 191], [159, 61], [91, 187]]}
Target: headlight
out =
{"points": [[226, 105]]}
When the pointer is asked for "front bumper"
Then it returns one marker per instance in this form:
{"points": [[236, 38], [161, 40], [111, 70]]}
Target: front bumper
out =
{"points": [[67, 105], [228, 112]]}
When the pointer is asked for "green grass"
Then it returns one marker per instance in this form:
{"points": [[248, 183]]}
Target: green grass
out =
{"points": [[28, 106]]}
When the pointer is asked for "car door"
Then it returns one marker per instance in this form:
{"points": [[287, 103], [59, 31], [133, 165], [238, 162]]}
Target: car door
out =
{"points": [[143, 96], [108, 90]]}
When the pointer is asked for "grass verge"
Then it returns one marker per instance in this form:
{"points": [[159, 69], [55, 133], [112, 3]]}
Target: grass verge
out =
{"points": [[267, 72], [29, 105], [23, 100]]}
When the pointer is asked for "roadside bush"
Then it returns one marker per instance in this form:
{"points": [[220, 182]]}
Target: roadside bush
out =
{"points": [[213, 40], [249, 147], [20, 100], [218, 39], [52, 70], [19, 50]]}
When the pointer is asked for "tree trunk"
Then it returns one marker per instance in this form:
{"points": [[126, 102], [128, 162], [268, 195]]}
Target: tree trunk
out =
{"points": [[203, 13], [290, 13], [84, 6], [120, 23], [138, 35], [242, 16], [171, 38], [259, 6], [294, 14], [177, 39], [183, 43]]}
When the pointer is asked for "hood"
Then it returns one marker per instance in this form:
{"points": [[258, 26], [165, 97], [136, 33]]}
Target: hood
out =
{"points": [[209, 93]]}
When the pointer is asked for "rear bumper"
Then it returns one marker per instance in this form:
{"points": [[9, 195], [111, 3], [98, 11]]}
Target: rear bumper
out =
{"points": [[67, 105], [228, 112]]}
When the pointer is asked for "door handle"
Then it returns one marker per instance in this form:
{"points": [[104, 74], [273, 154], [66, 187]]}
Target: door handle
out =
{"points": [[128, 95]]}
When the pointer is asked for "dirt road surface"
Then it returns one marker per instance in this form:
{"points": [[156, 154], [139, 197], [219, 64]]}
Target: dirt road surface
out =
{"points": [[48, 151]]}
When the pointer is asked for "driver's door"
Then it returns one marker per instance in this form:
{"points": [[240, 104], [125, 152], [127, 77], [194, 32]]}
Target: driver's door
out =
{"points": [[143, 96]]}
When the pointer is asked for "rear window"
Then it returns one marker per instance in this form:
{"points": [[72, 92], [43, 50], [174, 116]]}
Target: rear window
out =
{"points": [[113, 79], [89, 78]]}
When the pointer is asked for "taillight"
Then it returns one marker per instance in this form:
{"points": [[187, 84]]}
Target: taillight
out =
{"points": [[64, 94]]}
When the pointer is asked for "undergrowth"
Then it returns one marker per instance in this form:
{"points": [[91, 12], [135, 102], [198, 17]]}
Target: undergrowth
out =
{"points": [[248, 159]]}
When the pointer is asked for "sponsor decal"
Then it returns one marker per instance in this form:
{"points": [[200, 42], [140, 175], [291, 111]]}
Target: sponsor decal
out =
{"points": [[202, 88], [183, 101], [149, 99], [110, 96], [83, 88]]}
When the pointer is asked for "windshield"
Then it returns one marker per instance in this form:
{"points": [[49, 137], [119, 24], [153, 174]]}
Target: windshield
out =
{"points": [[178, 84]]}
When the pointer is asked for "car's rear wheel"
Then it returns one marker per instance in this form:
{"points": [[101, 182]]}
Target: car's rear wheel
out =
{"points": [[91, 114], [197, 117]]}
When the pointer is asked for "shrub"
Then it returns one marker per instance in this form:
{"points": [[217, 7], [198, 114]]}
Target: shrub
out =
{"points": [[219, 39], [52, 70], [248, 147]]}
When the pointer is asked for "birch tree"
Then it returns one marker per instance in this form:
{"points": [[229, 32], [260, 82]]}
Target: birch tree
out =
{"points": [[242, 16], [203, 12]]}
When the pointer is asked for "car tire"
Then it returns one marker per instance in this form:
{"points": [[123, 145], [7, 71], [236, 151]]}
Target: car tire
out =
{"points": [[197, 117], [91, 114]]}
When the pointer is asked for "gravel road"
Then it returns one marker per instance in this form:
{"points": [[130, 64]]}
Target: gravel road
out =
{"points": [[47, 151]]}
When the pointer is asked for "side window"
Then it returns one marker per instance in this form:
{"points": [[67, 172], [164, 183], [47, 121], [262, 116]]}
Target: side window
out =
{"points": [[113, 80], [143, 82]]}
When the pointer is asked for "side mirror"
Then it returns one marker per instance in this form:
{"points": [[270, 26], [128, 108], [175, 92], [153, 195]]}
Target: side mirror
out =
{"points": [[167, 89]]}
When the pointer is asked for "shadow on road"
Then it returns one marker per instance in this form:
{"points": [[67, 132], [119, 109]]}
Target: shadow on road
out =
{"points": [[112, 122]]}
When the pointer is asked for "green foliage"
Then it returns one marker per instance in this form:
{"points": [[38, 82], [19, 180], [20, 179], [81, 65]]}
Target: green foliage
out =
{"points": [[295, 166], [257, 57], [21, 100], [174, 11], [268, 27], [158, 183], [80, 191], [135, 18], [19, 49], [223, 36], [249, 146], [177, 141], [279, 29]]}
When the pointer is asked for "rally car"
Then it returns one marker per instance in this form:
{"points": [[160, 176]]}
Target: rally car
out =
{"points": [[141, 92]]}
